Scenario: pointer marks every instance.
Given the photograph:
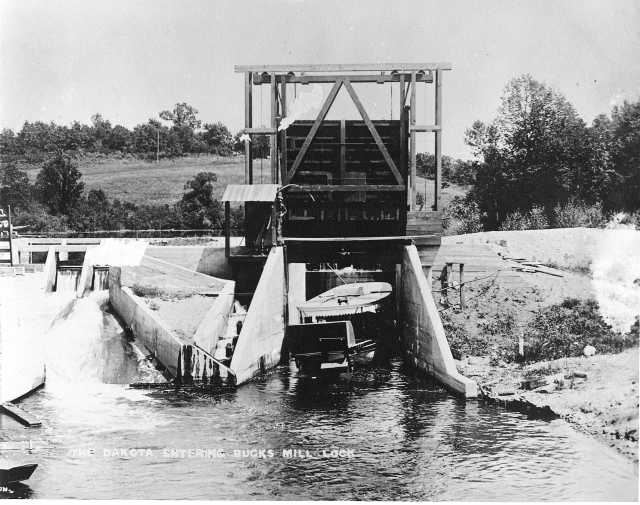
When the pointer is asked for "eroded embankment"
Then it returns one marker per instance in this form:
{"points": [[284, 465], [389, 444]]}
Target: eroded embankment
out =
{"points": [[508, 308]]}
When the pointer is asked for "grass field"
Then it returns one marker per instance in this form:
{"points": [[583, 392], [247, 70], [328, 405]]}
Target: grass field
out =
{"points": [[144, 182], [148, 182]]}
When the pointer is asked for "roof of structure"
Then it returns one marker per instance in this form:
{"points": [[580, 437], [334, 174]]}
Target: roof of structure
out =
{"points": [[346, 67], [250, 193]]}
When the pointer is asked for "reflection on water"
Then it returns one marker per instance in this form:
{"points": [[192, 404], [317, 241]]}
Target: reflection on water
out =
{"points": [[401, 437]]}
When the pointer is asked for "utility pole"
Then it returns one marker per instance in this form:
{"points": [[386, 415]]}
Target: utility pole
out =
{"points": [[158, 146]]}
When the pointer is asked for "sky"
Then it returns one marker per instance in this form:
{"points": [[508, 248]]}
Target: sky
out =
{"points": [[66, 60]]}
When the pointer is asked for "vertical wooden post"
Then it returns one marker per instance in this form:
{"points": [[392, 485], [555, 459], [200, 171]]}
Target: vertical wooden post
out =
{"points": [[274, 224], [227, 229], [462, 286], [343, 151], [438, 141], [248, 123], [10, 236], [274, 124], [412, 148], [403, 129], [283, 133]]}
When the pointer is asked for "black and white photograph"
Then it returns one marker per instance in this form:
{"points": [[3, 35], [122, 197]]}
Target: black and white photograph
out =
{"points": [[328, 250]]}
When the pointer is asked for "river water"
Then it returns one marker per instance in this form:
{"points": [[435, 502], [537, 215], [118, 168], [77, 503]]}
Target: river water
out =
{"points": [[382, 435]]}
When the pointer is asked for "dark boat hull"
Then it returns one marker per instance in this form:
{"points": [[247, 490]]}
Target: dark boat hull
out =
{"points": [[17, 473]]}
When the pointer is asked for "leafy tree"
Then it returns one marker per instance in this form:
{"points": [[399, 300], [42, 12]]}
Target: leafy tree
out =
{"points": [[536, 151], [182, 114], [119, 139], [198, 207], [218, 138], [259, 143], [59, 185], [101, 130], [624, 156], [15, 189]]}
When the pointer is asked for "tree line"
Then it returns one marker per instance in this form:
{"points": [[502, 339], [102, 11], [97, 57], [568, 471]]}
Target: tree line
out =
{"points": [[176, 132], [57, 202], [539, 161]]}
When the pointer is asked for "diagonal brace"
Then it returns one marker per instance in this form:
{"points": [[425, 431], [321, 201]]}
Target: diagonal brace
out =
{"points": [[314, 129], [374, 132]]}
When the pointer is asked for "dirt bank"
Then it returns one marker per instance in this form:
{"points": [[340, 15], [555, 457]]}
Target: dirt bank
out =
{"points": [[598, 395], [502, 298]]}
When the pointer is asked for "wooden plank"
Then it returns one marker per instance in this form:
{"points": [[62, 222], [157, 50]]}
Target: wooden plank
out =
{"points": [[20, 415], [438, 141], [10, 236], [374, 132], [343, 150], [227, 229], [314, 129], [425, 128], [400, 238], [342, 67], [273, 151], [248, 122], [313, 79], [403, 129], [346, 187], [283, 133], [412, 146], [259, 131]]}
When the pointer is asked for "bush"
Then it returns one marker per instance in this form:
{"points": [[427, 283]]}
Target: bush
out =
{"points": [[535, 219], [632, 219], [575, 213], [463, 216], [495, 338], [564, 329]]}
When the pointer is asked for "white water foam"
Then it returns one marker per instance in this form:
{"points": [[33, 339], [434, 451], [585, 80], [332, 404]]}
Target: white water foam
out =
{"points": [[616, 275]]}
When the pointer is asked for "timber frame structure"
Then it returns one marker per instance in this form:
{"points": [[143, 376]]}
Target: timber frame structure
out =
{"points": [[342, 179]]}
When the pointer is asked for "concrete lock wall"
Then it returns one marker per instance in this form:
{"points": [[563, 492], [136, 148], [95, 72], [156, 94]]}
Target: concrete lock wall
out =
{"points": [[146, 327], [423, 335], [297, 290], [260, 341], [50, 270], [215, 322]]}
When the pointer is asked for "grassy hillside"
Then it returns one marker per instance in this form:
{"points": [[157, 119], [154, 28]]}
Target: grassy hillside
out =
{"points": [[148, 182], [144, 182]]}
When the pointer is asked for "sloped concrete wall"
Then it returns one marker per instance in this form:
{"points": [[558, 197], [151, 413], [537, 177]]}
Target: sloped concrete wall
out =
{"points": [[423, 336], [214, 324], [50, 270], [147, 328], [260, 341]]}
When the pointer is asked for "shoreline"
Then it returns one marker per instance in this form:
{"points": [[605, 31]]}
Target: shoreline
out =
{"points": [[572, 389]]}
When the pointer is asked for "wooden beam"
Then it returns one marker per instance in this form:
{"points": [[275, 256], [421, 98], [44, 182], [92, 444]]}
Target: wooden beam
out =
{"points": [[314, 129], [403, 128], [401, 238], [283, 133], [374, 132], [425, 128], [346, 187], [412, 145], [438, 141], [343, 150], [273, 151], [227, 229], [248, 123], [378, 78], [20, 415], [345, 67], [259, 131]]}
